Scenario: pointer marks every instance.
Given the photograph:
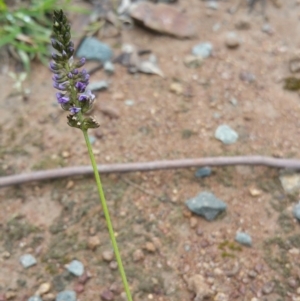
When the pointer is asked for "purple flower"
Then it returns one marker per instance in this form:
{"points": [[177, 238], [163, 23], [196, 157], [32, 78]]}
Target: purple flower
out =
{"points": [[61, 87], [75, 71], [89, 96], [62, 99], [81, 62], [70, 75], [80, 87], [74, 110]]}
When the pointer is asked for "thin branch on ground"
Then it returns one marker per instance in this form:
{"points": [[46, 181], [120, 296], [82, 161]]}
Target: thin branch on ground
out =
{"points": [[43, 175]]}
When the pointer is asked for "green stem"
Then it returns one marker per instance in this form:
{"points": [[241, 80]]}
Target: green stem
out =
{"points": [[107, 217]]}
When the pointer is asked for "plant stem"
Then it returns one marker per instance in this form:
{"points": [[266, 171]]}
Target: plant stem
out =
{"points": [[107, 216]]}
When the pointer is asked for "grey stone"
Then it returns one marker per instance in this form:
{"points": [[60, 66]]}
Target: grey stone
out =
{"points": [[207, 205], [97, 86], [243, 238], [109, 67], [27, 260], [212, 5], [232, 40], [66, 296], [203, 172], [203, 49], [296, 211], [290, 182], [92, 49], [76, 267], [129, 102], [35, 298], [226, 134]]}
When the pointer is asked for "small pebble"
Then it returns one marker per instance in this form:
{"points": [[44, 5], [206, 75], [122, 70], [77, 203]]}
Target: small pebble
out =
{"points": [[113, 265], [75, 267], [108, 255], [79, 288], [97, 86], [84, 278], [43, 289], [203, 50], [150, 247], [268, 288], [10, 295], [27, 260], [193, 61], [193, 222], [129, 102], [243, 238], [107, 295], [35, 298], [176, 88], [203, 172], [66, 296], [138, 255], [226, 134], [212, 5], [49, 297], [109, 67], [296, 211], [232, 40], [93, 242]]}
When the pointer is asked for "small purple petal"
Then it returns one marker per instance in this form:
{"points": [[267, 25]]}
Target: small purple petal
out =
{"points": [[81, 62], [90, 95], [61, 87], [75, 71], [63, 100], [80, 87], [70, 75], [84, 72], [74, 110], [83, 98]]}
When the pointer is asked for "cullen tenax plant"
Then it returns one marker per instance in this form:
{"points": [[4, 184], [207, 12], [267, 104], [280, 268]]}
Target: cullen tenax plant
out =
{"points": [[74, 98]]}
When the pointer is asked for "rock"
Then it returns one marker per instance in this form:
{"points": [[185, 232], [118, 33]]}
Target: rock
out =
{"points": [[290, 182], [129, 102], [243, 238], [113, 265], [83, 279], [109, 67], [221, 297], [197, 285], [296, 211], [254, 192], [92, 49], [163, 18], [27, 260], [248, 77], [226, 134], [10, 295], [79, 288], [97, 86], [267, 28], [35, 298], [138, 255], [203, 172], [150, 247], [243, 24], [75, 267], [203, 50], [212, 5], [109, 111], [268, 288], [193, 61], [176, 88], [207, 205], [150, 68], [43, 289], [294, 64], [108, 255], [232, 40], [48, 297], [193, 222], [66, 296], [107, 295], [93, 242]]}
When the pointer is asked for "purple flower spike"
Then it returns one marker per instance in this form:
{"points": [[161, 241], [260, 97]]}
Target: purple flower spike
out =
{"points": [[80, 87], [74, 110]]}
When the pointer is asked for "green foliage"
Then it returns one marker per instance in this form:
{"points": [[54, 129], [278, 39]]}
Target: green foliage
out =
{"points": [[26, 29]]}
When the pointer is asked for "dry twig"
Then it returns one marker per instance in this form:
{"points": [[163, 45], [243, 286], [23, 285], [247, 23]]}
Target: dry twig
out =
{"points": [[148, 166]]}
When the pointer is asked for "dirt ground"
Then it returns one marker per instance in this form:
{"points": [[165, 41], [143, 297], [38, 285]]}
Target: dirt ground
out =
{"points": [[162, 244]]}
